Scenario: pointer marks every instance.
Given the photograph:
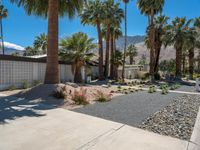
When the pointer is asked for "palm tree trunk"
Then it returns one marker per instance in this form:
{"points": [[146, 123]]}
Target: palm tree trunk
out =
{"points": [[52, 70], [100, 45], [131, 59], [152, 40], [183, 63], [2, 41], [157, 53], [198, 62], [107, 60], [178, 63], [191, 63], [125, 41], [115, 67], [78, 75], [112, 57]]}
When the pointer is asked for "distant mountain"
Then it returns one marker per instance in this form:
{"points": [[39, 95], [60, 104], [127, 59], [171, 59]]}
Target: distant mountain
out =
{"points": [[130, 40], [11, 48]]}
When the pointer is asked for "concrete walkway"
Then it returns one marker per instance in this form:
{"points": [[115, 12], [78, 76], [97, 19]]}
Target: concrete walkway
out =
{"points": [[60, 129], [26, 125]]}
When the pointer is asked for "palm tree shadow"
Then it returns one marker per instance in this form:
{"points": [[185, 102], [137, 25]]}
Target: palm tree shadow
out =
{"points": [[29, 103]]}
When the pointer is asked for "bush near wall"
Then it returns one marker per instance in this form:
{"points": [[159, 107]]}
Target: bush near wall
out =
{"points": [[143, 75]]}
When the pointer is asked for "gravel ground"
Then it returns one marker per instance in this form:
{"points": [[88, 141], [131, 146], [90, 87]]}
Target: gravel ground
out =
{"points": [[177, 119], [131, 109]]}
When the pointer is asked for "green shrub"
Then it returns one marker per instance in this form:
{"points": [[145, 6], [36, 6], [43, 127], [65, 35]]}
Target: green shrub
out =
{"points": [[119, 86], [152, 89], [164, 92], [36, 82], [25, 84], [142, 75], [12, 87], [80, 97]]}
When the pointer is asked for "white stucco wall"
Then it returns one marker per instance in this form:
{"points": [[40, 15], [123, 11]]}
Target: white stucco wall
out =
{"points": [[15, 72]]}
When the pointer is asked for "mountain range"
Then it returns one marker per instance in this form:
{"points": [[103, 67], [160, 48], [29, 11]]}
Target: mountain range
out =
{"points": [[11, 48]]}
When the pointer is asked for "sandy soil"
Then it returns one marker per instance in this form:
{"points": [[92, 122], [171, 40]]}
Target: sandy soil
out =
{"points": [[43, 93]]}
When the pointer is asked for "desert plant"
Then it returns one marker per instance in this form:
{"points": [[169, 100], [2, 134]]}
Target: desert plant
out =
{"points": [[109, 84], [119, 87], [61, 92], [25, 84], [80, 97], [36, 82], [152, 89], [102, 96], [12, 87]]}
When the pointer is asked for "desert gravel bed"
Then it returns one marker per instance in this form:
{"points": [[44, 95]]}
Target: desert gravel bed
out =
{"points": [[177, 119]]}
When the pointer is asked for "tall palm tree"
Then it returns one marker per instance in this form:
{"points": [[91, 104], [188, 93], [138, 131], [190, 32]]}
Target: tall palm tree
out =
{"points": [[117, 61], [51, 9], [3, 14], [125, 37], [113, 14], [40, 43], [116, 32], [197, 27], [131, 52], [192, 41], [150, 9], [77, 50], [93, 14], [31, 51], [160, 31], [176, 35]]}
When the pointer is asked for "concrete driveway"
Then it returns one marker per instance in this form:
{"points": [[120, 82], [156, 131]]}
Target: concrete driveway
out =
{"points": [[60, 129]]}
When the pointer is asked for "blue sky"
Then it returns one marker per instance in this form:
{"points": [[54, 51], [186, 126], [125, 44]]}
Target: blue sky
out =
{"points": [[21, 29]]}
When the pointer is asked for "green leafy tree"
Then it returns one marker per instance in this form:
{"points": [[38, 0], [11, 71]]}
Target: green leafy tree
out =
{"points": [[77, 50], [51, 9]]}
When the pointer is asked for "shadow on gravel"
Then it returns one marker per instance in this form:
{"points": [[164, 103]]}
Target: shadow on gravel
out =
{"points": [[28, 103]]}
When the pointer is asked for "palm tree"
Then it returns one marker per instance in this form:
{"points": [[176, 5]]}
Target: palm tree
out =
{"points": [[40, 43], [192, 42], [3, 14], [125, 37], [176, 35], [160, 28], [51, 9], [31, 51], [150, 9], [93, 14], [77, 49], [113, 14], [117, 61], [197, 27], [116, 32], [131, 52]]}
